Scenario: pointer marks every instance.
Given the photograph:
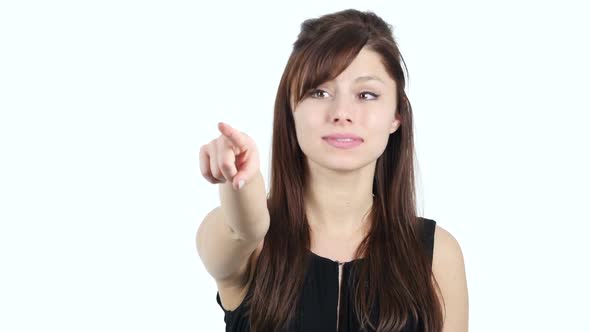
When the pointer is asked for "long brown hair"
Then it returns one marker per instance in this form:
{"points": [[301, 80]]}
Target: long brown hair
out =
{"points": [[397, 265]]}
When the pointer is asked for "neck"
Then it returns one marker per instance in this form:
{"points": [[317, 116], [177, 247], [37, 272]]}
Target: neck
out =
{"points": [[338, 202]]}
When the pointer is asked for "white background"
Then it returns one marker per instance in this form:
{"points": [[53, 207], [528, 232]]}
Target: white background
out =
{"points": [[105, 104]]}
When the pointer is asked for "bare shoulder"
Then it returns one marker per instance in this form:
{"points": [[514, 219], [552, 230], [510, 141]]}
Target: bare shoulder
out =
{"points": [[447, 249], [448, 266]]}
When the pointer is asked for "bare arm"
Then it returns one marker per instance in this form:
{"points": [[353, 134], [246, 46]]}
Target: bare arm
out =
{"points": [[245, 210], [449, 270], [230, 233]]}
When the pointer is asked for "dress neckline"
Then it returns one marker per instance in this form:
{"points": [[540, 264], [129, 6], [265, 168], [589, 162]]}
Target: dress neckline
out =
{"points": [[326, 259]]}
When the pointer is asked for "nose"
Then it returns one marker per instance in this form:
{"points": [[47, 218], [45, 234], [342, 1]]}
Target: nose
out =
{"points": [[342, 110]]}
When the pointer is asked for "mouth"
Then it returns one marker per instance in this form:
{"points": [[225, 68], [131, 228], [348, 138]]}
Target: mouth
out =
{"points": [[343, 137], [343, 142]]}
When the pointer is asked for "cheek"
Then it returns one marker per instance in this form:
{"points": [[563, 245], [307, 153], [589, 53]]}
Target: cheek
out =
{"points": [[378, 123], [308, 122], [379, 132], [307, 129], [381, 118]]}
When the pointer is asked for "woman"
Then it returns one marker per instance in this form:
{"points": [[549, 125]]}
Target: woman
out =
{"points": [[336, 245]]}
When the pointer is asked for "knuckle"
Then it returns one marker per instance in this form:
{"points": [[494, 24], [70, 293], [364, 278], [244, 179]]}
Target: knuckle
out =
{"points": [[203, 152], [217, 174], [207, 175], [226, 167], [221, 144], [224, 163]]}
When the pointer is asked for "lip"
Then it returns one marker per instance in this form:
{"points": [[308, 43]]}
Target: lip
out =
{"points": [[332, 140], [343, 135]]}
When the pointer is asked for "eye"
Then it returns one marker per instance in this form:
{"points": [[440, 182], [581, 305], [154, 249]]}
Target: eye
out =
{"points": [[314, 92], [369, 93]]}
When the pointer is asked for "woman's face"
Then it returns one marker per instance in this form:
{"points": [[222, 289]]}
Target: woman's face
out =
{"points": [[349, 104]]}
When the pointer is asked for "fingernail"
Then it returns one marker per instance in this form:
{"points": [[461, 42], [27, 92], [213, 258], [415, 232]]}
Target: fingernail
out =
{"points": [[241, 183]]}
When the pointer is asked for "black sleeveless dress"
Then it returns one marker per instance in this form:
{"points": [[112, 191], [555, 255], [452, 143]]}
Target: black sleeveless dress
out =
{"points": [[319, 299]]}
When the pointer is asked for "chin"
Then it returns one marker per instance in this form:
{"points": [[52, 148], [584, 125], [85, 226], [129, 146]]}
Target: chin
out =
{"points": [[339, 163]]}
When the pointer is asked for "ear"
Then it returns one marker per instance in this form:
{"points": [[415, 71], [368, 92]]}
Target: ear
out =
{"points": [[395, 123]]}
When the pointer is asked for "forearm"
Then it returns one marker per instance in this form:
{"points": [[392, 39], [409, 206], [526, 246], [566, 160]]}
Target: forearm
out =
{"points": [[245, 210]]}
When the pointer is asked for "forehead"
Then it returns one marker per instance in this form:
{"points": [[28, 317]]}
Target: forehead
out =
{"points": [[367, 64]]}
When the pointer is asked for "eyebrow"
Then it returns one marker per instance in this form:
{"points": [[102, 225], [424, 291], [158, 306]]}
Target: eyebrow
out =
{"points": [[368, 78], [365, 78]]}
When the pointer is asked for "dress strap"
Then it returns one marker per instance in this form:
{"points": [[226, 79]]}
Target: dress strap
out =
{"points": [[428, 229]]}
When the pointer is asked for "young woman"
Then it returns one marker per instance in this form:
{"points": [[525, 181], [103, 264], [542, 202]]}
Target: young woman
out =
{"points": [[336, 244]]}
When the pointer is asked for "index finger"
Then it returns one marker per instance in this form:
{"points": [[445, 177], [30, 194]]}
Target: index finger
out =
{"points": [[233, 135]]}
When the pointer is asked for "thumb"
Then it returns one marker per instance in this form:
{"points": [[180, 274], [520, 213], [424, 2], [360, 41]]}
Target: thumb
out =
{"points": [[242, 178]]}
